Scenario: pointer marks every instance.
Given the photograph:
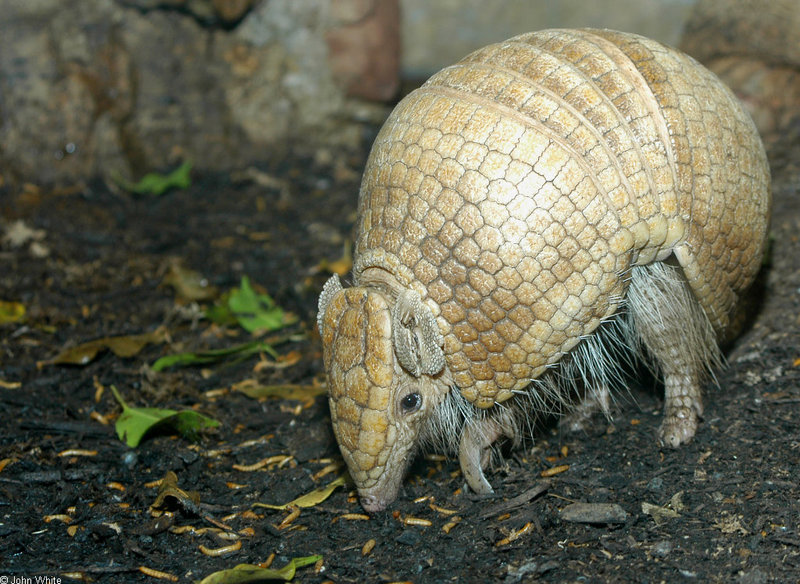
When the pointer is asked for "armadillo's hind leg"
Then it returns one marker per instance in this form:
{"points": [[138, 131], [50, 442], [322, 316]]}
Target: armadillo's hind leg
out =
{"points": [[678, 335]]}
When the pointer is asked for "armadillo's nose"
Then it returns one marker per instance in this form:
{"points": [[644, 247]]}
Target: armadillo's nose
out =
{"points": [[373, 503]]}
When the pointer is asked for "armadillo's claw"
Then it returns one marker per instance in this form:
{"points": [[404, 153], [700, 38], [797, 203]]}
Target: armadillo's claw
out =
{"points": [[473, 454], [683, 407], [679, 426], [475, 448]]}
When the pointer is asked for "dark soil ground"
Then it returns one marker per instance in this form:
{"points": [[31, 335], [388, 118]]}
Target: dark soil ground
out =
{"points": [[75, 501]]}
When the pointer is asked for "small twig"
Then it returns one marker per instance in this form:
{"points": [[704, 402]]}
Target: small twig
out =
{"points": [[517, 501]]}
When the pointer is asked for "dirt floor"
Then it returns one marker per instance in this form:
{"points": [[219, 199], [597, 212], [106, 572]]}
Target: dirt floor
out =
{"points": [[77, 503]]}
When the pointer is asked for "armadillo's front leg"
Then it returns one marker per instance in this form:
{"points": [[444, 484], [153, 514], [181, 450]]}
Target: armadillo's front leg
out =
{"points": [[597, 399], [474, 449]]}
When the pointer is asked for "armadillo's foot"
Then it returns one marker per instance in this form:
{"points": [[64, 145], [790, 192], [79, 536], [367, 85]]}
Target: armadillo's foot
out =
{"points": [[579, 418], [682, 410], [475, 449]]}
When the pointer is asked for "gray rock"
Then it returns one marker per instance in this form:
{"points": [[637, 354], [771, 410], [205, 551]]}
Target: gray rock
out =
{"points": [[105, 87]]}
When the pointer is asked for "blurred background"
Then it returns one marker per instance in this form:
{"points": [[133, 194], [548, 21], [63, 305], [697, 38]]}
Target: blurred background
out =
{"points": [[435, 34], [102, 88]]}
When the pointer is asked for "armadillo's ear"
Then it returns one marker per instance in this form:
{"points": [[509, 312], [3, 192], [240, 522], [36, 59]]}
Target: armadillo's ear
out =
{"points": [[329, 290], [416, 336]]}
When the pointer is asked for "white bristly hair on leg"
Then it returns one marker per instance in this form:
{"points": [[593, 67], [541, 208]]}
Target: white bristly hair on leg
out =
{"points": [[601, 362], [664, 285]]}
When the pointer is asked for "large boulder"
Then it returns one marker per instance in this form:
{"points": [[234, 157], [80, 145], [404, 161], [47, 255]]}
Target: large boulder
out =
{"points": [[104, 87]]}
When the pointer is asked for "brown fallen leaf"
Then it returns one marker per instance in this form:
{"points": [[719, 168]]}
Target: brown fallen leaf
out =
{"points": [[19, 233], [658, 513], [169, 489], [731, 525], [189, 285], [122, 346], [520, 500]]}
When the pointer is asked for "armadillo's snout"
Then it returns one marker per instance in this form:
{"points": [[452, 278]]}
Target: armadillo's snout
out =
{"points": [[374, 503], [379, 495], [372, 462]]}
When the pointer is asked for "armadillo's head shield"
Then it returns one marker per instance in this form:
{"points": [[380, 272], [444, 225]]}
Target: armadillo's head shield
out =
{"points": [[380, 358]]}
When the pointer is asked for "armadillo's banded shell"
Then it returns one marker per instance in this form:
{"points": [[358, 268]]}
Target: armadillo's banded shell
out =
{"points": [[515, 188]]}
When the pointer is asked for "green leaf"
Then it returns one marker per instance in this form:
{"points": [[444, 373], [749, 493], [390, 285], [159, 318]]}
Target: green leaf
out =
{"points": [[220, 313], [244, 573], [203, 357], [134, 423], [157, 184], [257, 312]]}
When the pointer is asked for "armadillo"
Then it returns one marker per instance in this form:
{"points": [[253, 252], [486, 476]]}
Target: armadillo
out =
{"points": [[528, 218]]}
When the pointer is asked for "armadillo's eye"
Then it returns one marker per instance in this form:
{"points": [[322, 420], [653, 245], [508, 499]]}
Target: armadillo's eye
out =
{"points": [[411, 402]]}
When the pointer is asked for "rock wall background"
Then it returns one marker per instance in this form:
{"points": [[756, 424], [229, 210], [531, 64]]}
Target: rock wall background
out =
{"points": [[123, 87], [98, 87]]}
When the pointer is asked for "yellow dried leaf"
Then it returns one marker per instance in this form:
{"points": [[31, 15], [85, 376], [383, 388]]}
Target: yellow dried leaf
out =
{"points": [[296, 392], [11, 311], [311, 499]]}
